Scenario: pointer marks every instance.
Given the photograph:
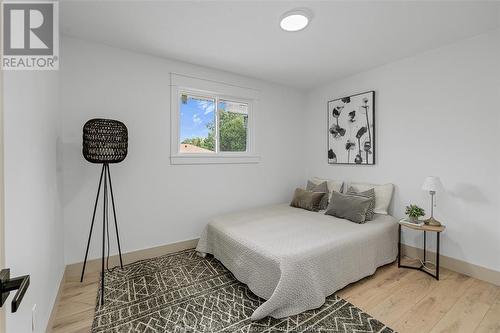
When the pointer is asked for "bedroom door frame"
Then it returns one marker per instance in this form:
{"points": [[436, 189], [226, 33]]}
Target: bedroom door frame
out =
{"points": [[2, 231]]}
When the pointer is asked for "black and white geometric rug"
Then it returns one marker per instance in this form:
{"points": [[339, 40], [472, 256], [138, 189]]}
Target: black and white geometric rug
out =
{"points": [[183, 293]]}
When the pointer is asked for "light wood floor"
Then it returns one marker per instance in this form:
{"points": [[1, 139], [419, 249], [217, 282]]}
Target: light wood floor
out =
{"points": [[406, 300]]}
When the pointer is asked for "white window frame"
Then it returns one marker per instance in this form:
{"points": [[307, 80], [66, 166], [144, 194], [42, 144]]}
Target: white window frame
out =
{"points": [[183, 84]]}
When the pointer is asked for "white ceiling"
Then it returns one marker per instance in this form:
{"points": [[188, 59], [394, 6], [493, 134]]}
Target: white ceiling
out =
{"points": [[244, 36]]}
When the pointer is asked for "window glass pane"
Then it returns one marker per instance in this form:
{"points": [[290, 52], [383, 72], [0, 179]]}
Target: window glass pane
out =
{"points": [[197, 124], [233, 123]]}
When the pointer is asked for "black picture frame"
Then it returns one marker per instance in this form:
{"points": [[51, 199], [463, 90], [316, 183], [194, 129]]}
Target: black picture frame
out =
{"points": [[345, 117]]}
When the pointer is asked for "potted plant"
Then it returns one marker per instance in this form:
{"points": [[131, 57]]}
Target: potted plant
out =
{"points": [[414, 212]]}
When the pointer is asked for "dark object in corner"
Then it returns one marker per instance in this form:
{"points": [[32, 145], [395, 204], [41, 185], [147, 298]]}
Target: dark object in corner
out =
{"points": [[104, 141], [8, 284]]}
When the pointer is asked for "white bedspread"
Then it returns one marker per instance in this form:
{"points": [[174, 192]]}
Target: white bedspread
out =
{"points": [[294, 258]]}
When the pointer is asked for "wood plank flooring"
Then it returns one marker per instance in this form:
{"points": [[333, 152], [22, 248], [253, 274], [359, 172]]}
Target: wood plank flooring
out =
{"points": [[406, 300]]}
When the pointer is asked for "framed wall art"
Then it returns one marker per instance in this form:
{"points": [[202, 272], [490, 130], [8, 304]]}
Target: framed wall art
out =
{"points": [[351, 129]]}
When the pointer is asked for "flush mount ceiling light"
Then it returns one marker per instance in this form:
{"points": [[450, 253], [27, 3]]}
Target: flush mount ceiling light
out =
{"points": [[295, 20]]}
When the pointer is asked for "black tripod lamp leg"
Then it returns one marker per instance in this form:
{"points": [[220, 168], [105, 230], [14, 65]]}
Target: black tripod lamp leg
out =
{"points": [[92, 224], [104, 211], [114, 214]]}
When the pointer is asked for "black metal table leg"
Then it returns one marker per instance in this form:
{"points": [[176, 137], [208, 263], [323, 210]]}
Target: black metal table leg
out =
{"points": [[425, 247], [422, 267], [399, 246], [437, 255]]}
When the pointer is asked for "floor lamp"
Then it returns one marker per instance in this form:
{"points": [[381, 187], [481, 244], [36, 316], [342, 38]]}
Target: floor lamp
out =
{"points": [[105, 141]]}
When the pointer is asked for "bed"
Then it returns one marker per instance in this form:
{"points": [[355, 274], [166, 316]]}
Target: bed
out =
{"points": [[294, 258]]}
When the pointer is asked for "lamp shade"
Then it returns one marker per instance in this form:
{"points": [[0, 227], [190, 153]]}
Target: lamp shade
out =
{"points": [[432, 183], [105, 141]]}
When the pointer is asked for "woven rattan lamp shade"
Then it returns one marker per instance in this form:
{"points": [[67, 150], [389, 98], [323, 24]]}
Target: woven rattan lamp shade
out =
{"points": [[105, 141]]}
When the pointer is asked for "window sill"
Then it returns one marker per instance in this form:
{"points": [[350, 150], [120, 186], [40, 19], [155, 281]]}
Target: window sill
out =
{"points": [[218, 159]]}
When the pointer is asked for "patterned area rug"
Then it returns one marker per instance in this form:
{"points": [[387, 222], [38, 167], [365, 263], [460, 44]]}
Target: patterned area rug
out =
{"points": [[182, 292]]}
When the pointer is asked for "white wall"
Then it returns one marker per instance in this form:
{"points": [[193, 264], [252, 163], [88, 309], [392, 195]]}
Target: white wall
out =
{"points": [[437, 113], [33, 213], [159, 203]]}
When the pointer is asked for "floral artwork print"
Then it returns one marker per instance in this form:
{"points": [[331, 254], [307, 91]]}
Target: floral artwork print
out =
{"points": [[351, 131]]}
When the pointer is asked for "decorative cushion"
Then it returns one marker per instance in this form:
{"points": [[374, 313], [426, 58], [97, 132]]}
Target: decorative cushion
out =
{"points": [[350, 207], [383, 194], [308, 200], [323, 188], [367, 194], [333, 185]]}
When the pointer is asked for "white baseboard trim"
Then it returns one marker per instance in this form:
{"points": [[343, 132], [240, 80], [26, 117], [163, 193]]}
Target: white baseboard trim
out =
{"points": [[94, 265], [52, 316], [475, 271]]}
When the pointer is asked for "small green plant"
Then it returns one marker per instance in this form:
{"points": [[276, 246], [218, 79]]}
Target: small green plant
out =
{"points": [[414, 211]]}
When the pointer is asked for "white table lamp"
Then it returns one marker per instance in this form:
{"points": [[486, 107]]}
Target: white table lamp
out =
{"points": [[432, 184]]}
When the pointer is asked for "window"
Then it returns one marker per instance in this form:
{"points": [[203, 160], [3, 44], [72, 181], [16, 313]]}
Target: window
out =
{"points": [[197, 124], [207, 129], [233, 124], [211, 122]]}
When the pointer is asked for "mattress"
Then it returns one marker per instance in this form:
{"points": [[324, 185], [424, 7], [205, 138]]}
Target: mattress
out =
{"points": [[294, 258]]}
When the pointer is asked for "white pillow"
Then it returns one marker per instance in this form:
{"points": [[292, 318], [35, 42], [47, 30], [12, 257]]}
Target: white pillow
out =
{"points": [[383, 194], [333, 185]]}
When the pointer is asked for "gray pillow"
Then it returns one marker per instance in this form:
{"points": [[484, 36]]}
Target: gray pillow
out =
{"points": [[350, 207], [307, 199], [323, 188], [367, 194]]}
